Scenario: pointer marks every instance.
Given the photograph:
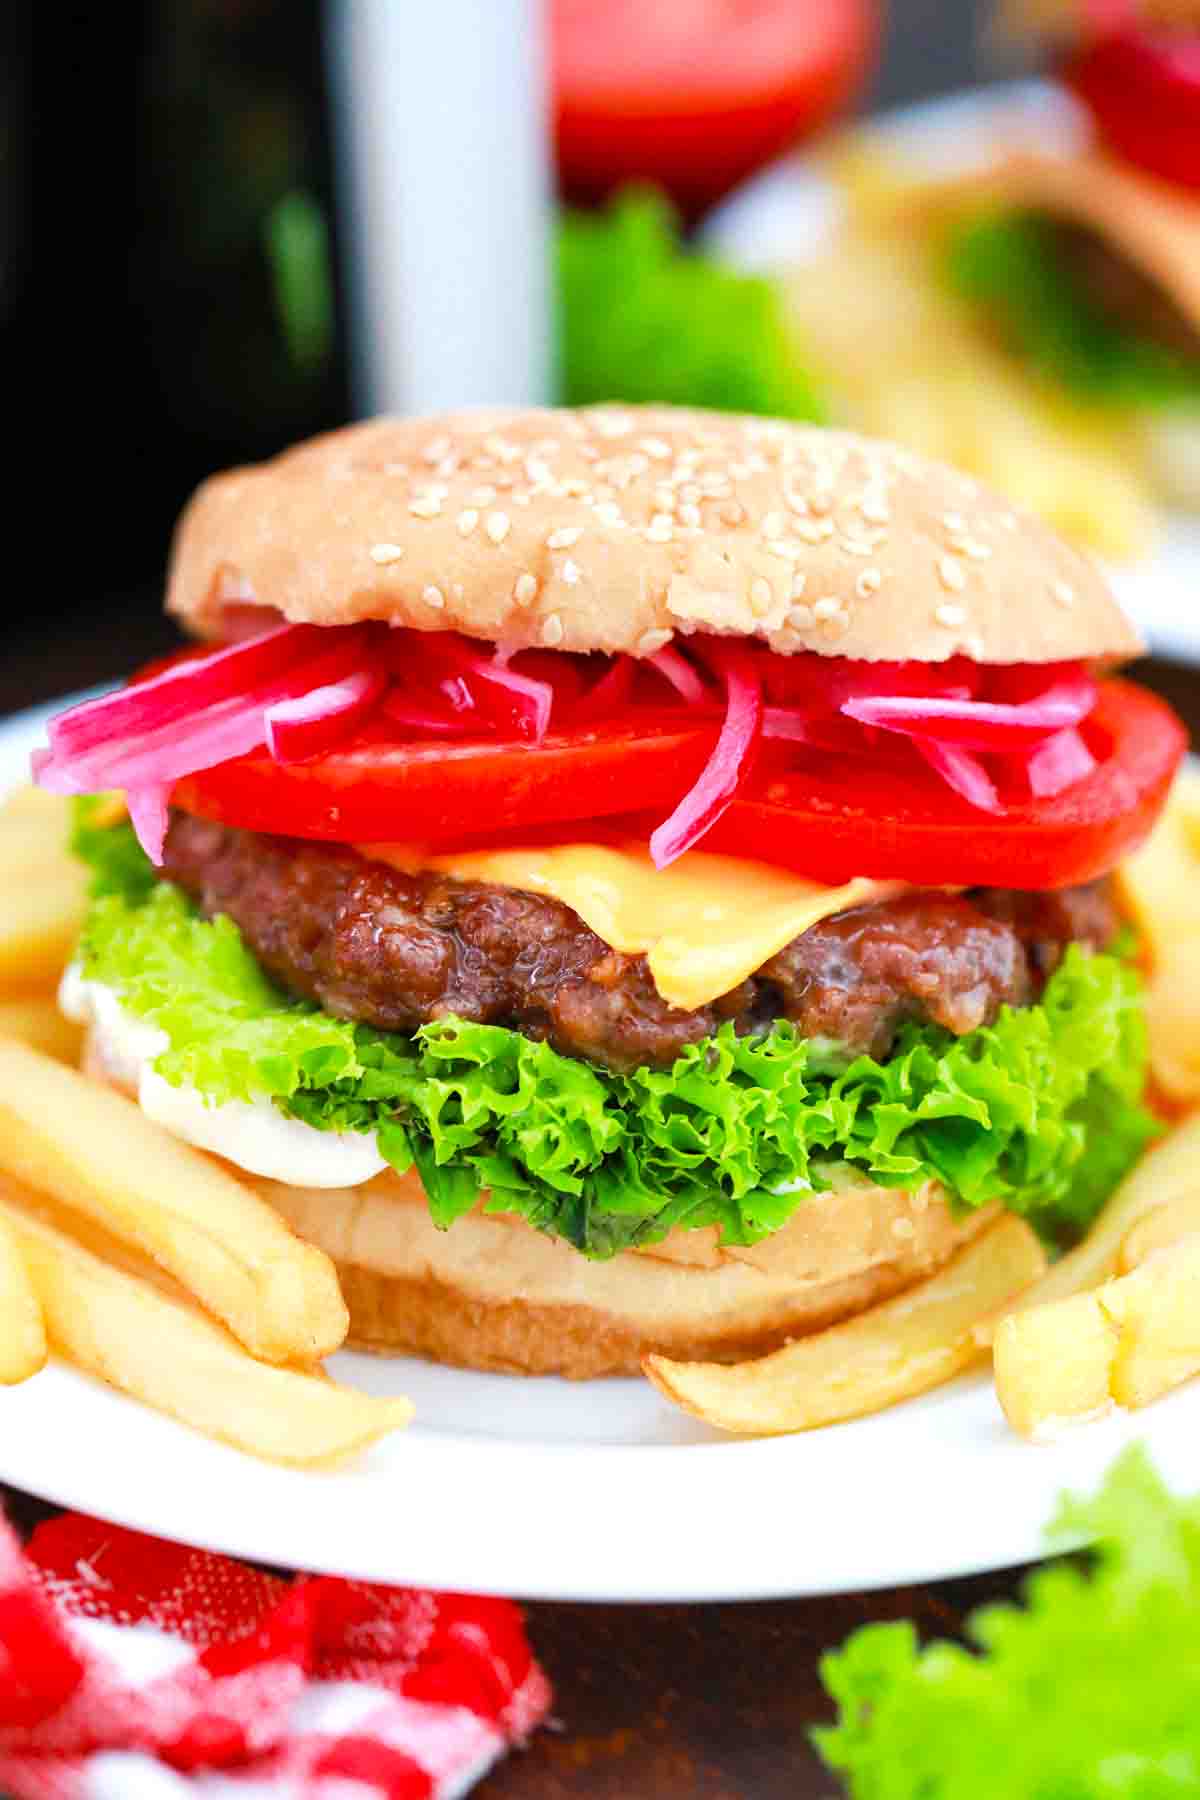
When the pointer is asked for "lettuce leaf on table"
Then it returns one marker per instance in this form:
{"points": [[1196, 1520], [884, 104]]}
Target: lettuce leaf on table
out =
{"points": [[644, 319], [1006, 264], [1041, 1110], [1090, 1691]]}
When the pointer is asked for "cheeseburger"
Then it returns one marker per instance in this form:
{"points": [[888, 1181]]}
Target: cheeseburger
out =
{"points": [[626, 879], [1087, 262]]}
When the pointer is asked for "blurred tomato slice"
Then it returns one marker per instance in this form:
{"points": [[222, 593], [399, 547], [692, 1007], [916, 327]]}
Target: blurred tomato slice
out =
{"points": [[697, 94], [1143, 90]]}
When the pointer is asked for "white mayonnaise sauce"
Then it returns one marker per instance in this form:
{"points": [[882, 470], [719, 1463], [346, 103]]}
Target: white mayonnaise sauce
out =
{"points": [[253, 1134]]}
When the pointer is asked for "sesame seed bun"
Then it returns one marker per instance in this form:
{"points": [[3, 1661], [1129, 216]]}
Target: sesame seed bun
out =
{"points": [[492, 1293], [615, 528]]}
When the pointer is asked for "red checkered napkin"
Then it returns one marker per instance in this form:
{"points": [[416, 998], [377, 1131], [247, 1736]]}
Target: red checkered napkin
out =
{"points": [[133, 1669]]}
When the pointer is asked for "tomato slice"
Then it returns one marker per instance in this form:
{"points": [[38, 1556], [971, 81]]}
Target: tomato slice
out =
{"points": [[697, 94], [833, 820], [827, 815], [1143, 90], [375, 790]]}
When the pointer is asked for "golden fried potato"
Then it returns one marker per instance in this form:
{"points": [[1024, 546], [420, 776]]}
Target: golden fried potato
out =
{"points": [[22, 1329], [155, 1346], [889, 1353], [99, 1154]]}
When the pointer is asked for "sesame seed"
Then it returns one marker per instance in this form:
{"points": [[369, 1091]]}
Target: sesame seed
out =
{"points": [[1063, 592], [814, 531], [971, 547], [689, 514], [951, 615], [651, 642], [467, 520], [821, 503], [660, 530], [868, 583], [761, 597], [874, 508], [433, 596], [538, 470], [609, 513], [773, 525], [858, 546], [525, 589], [954, 521], [386, 553], [435, 449], [951, 574], [733, 512], [482, 496], [690, 492], [552, 630], [564, 537], [802, 618], [497, 526], [828, 608], [799, 583], [425, 507], [570, 573]]}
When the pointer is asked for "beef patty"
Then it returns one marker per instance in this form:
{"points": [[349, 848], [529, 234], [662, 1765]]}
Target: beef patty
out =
{"points": [[393, 950]]}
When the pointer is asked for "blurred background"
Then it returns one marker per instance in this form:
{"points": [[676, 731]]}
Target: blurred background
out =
{"points": [[215, 181]]}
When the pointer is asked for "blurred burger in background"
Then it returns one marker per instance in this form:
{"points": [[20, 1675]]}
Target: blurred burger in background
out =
{"points": [[1088, 264], [1035, 317]]}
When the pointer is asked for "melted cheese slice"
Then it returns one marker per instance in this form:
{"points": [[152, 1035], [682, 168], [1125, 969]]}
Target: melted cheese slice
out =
{"points": [[704, 924]]}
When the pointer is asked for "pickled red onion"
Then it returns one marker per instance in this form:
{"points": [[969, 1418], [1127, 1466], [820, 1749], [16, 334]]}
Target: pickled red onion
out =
{"points": [[313, 723], [979, 724], [183, 690], [611, 691], [682, 676], [963, 772], [1059, 763], [148, 816], [728, 765]]}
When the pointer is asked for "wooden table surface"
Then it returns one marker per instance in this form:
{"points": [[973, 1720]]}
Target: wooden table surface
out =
{"points": [[714, 1701]]}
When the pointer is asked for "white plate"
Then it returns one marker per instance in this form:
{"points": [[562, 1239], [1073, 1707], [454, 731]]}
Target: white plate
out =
{"points": [[592, 1490], [786, 213]]}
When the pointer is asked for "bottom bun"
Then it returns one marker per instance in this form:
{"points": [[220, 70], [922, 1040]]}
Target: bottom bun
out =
{"points": [[492, 1293]]}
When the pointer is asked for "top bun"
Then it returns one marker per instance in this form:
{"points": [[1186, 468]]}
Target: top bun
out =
{"points": [[614, 528]]}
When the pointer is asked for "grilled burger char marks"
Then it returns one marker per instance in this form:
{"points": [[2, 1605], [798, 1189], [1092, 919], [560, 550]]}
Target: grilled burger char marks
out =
{"points": [[396, 951]]}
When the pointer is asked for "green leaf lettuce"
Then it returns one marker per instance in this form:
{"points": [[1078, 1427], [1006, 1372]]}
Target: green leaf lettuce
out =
{"points": [[643, 319], [1006, 264], [1041, 1110], [1090, 1691]]}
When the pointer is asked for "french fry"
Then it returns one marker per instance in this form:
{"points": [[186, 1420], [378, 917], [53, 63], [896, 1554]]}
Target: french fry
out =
{"points": [[1157, 888], [38, 1022], [1160, 1228], [40, 916], [98, 1153], [22, 1329], [161, 1350], [1167, 1175], [892, 1352], [1126, 1343], [52, 812]]}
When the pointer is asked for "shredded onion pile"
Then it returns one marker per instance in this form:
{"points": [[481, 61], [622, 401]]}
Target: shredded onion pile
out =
{"points": [[302, 691]]}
